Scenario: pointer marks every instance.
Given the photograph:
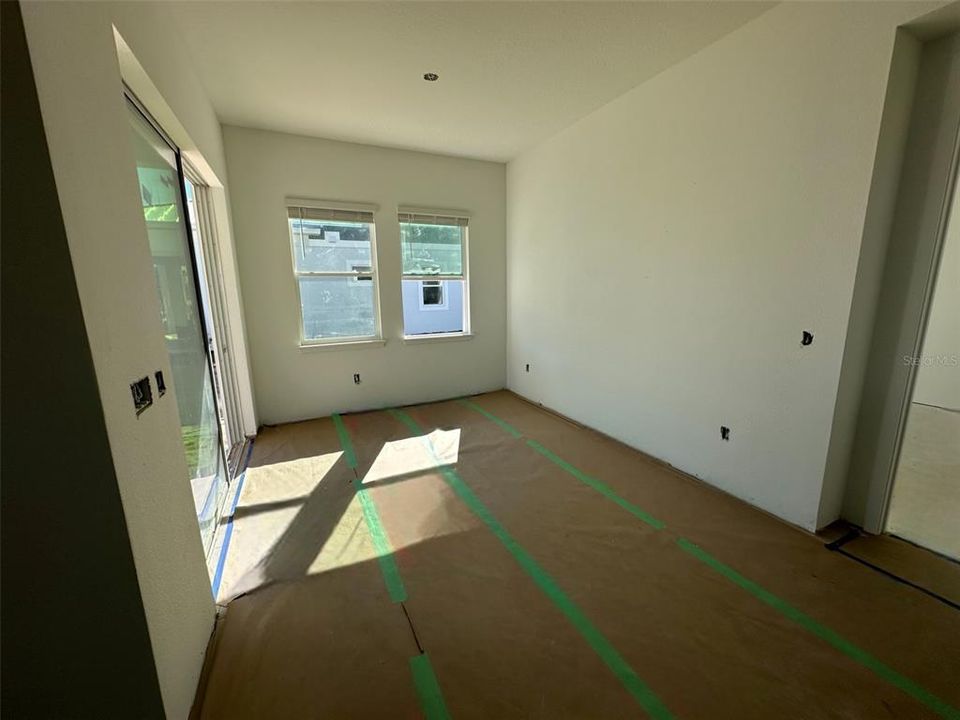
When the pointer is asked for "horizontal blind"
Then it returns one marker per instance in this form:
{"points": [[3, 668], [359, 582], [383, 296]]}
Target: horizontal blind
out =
{"points": [[330, 215], [428, 217]]}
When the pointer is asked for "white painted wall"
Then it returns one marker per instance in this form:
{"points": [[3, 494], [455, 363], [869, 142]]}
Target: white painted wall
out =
{"points": [[666, 252], [78, 78], [938, 375], [291, 383]]}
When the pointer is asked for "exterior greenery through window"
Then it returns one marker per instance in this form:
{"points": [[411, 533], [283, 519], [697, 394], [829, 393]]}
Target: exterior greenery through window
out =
{"points": [[334, 261], [434, 256]]}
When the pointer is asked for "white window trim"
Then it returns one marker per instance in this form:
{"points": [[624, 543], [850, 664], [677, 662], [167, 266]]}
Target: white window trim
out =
{"points": [[345, 341], [337, 344], [437, 337]]}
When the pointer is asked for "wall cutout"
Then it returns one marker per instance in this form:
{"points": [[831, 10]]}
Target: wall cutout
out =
{"points": [[356, 378], [161, 385], [807, 338], [142, 395], [528, 367], [724, 432]]}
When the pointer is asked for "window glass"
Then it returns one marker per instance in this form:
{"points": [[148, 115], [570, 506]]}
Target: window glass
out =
{"points": [[336, 307], [334, 261], [431, 249], [330, 246]]}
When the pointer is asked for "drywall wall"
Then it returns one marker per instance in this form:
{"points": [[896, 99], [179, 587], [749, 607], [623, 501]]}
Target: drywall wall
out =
{"points": [[66, 552], [938, 372], [666, 252], [292, 383], [78, 78]]}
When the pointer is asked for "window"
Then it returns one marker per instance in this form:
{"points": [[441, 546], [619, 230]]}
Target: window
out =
{"points": [[432, 296], [335, 264], [434, 252]]}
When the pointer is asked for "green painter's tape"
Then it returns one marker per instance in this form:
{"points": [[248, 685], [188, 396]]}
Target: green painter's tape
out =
{"points": [[607, 652], [894, 678], [381, 543], [493, 418], [824, 633], [345, 441], [600, 487], [428, 689]]}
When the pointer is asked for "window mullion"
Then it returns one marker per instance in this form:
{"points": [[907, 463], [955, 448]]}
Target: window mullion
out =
{"points": [[432, 277], [333, 273]]}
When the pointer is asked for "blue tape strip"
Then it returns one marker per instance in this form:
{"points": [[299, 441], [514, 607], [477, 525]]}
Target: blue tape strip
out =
{"points": [[222, 560]]}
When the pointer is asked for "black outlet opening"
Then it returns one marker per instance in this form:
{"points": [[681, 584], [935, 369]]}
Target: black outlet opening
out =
{"points": [[724, 432], [142, 394]]}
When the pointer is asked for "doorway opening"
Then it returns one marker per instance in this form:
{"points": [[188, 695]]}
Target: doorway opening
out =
{"points": [[925, 499]]}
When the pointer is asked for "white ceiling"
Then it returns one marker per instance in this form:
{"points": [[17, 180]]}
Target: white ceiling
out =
{"points": [[511, 73]]}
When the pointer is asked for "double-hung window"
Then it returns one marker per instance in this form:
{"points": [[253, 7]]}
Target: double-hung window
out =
{"points": [[335, 266], [433, 245]]}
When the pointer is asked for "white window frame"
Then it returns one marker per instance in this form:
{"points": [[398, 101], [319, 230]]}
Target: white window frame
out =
{"points": [[430, 216], [336, 207]]}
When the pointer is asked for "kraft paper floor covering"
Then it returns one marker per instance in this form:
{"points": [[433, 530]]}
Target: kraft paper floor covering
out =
{"points": [[519, 606]]}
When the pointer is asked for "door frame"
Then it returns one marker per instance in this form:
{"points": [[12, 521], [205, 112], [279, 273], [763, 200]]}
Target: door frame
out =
{"points": [[925, 224], [879, 509]]}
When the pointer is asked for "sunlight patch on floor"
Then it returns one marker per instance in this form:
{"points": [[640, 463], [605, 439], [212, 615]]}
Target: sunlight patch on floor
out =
{"points": [[284, 482], [402, 458]]}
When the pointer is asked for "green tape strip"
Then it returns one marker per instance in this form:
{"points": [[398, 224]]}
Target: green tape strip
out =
{"points": [[808, 623], [824, 633], [493, 418], [600, 487], [381, 542], [428, 689], [345, 441], [381, 545], [597, 485], [607, 652]]}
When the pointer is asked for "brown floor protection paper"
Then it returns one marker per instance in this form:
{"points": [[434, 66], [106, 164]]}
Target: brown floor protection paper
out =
{"points": [[317, 635], [930, 571]]}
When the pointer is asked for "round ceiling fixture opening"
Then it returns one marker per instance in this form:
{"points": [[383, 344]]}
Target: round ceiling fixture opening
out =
{"points": [[431, 77]]}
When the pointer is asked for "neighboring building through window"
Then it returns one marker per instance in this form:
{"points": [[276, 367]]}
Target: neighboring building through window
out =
{"points": [[335, 264], [432, 296], [434, 255]]}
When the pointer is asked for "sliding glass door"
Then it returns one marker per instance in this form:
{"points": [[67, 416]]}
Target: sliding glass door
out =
{"points": [[182, 308]]}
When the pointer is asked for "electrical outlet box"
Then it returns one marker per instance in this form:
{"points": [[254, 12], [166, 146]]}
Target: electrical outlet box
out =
{"points": [[142, 394]]}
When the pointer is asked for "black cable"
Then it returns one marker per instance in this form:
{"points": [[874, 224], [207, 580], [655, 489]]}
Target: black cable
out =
{"points": [[837, 546]]}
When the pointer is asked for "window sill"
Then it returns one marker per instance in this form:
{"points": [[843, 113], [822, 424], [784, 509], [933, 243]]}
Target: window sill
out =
{"points": [[438, 337], [345, 345]]}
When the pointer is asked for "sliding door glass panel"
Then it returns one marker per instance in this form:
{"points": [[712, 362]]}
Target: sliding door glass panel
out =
{"points": [[180, 313], [211, 336]]}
